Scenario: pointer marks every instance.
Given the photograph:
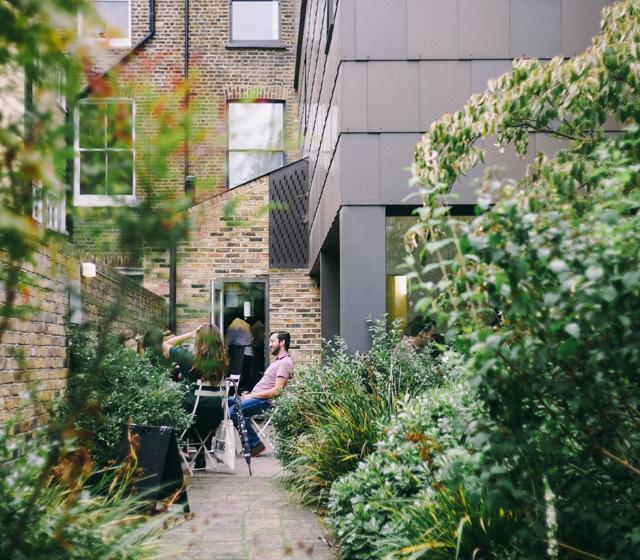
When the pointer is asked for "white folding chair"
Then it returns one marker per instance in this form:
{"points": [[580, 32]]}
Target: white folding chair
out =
{"points": [[190, 448], [261, 426]]}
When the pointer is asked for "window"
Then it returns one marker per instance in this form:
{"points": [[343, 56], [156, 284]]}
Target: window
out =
{"points": [[255, 22], [256, 139], [105, 154], [49, 208], [61, 88], [110, 21]]}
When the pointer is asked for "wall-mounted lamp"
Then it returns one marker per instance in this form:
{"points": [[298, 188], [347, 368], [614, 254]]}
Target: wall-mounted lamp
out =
{"points": [[247, 309], [88, 269]]}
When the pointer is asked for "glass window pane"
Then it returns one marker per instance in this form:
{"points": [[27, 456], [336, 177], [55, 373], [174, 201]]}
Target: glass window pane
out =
{"points": [[110, 21], [91, 126], [254, 21], [92, 173], [244, 166], [119, 173], [256, 126], [119, 125]]}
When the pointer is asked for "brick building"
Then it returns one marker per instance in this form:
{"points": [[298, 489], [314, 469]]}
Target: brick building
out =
{"points": [[239, 57], [358, 81]]}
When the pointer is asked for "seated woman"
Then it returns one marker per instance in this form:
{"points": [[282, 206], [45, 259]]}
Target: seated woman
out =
{"points": [[208, 361]]}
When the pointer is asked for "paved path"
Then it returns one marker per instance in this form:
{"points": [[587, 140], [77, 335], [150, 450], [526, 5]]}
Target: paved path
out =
{"points": [[236, 517]]}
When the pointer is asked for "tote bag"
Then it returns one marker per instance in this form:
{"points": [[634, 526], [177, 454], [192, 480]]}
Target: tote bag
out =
{"points": [[224, 443]]}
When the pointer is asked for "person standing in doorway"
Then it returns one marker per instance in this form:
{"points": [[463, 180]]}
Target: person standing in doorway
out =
{"points": [[273, 382]]}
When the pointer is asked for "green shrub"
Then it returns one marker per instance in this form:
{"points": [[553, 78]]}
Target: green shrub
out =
{"points": [[398, 497], [49, 511], [120, 388], [331, 414]]}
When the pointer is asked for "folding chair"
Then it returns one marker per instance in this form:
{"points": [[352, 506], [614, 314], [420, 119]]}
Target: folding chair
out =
{"points": [[192, 447], [261, 424]]}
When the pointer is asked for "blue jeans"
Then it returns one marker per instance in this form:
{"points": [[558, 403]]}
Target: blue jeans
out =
{"points": [[250, 407]]}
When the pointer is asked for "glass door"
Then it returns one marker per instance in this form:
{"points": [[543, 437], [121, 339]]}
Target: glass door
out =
{"points": [[239, 308]]}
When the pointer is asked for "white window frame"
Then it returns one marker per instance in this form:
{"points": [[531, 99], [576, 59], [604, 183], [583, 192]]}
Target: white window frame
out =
{"points": [[113, 42], [252, 150], [49, 211], [61, 88], [255, 42], [103, 199]]}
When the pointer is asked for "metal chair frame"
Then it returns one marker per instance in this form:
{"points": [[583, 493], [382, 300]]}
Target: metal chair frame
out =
{"points": [[189, 446]]}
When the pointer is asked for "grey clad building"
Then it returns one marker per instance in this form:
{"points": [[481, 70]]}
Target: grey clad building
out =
{"points": [[371, 76]]}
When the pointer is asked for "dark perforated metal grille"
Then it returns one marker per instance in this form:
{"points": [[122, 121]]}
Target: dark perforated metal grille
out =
{"points": [[288, 234]]}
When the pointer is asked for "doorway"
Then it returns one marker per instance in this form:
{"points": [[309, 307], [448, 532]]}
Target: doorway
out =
{"points": [[243, 303]]}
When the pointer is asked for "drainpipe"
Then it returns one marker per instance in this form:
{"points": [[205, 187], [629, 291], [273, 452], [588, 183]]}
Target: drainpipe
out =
{"points": [[189, 181]]}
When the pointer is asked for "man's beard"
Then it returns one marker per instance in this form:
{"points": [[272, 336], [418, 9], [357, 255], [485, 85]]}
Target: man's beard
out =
{"points": [[275, 351]]}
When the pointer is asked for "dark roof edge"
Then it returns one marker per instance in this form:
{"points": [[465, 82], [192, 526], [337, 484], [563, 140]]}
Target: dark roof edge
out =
{"points": [[209, 198], [303, 16], [152, 31]]}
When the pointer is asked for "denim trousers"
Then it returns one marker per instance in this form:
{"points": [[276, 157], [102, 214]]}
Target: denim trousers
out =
{"points": [[250, 407]]}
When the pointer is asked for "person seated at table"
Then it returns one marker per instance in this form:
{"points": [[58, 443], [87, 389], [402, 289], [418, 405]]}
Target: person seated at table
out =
{"points": [[208, 361], [273, 382]]}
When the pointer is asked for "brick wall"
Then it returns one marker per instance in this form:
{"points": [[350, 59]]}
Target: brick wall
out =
{"points": [[218, 74], [33, 351], [233, 248]]}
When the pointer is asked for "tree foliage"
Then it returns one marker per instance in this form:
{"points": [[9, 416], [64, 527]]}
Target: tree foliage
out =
{"points": [[557, 256]]}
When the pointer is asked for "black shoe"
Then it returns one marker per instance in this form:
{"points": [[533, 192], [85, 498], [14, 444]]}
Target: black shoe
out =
{"points": [[255, 451], [201, 462]]}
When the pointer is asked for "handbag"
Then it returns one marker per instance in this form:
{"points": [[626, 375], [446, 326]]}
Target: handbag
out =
{"points": [[224, 443]]}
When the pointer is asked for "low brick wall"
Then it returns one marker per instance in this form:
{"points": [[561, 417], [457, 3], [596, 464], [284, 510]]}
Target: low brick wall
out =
{"points": [[34, 349]]}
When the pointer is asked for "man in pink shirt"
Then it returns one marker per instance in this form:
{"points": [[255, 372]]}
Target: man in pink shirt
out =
{"points": [[273, 381]]}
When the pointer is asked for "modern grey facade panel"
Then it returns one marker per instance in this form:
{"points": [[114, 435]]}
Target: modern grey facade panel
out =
{"points": [[444, 87], [580, 22], [484, 70], [393, 102], [545, 16], [484, 29], [362, 258], [432, 29], [360, 183], [396, 154], [381, 31], [346, 24], [393, 66], [351, 93], [330, 295]]}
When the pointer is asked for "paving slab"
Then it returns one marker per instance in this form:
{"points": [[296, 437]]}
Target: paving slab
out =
{"points": [[237, 517]]}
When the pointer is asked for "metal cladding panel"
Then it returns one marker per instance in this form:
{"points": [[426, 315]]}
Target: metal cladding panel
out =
{"points": [[381, 29], [288, 233], [352, 93], [360, 170], [362, 258], [484, 28], [536, 28], [484, 70], [396, 156], [394, 104], [444, 87], [432, 29], [580, 22], [347, 15]]}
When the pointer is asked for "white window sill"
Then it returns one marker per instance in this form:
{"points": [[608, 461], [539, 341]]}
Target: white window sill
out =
{"points": [[111, 43], [96, 200], [266, 44]]}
